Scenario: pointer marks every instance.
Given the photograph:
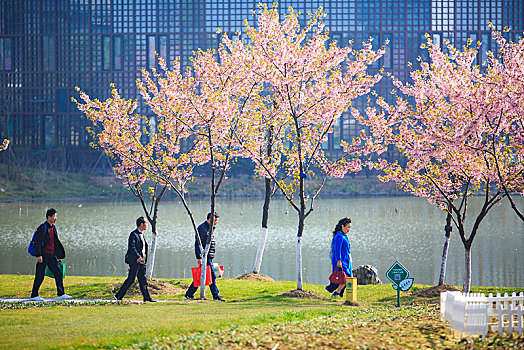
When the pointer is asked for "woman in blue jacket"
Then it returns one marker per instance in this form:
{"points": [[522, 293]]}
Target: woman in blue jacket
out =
{"points": [[341, 251]]}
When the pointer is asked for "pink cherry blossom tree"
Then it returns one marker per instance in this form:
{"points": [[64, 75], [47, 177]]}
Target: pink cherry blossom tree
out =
{"points": [[140, 152], [309, 81], [208, 101], [504, 149], [453, 120], [264, 124]]}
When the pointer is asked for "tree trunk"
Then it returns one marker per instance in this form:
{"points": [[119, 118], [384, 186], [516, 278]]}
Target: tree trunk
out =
{"points": [[263, 232], [467, 269], [514, 206], [260, 251], [152, 218], [203, 274], [211, 230], [301, 219], [299, 263], [445, 250], [151, 257], [442, 276]]}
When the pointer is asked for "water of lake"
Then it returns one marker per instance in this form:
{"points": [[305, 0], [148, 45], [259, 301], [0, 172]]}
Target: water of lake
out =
{"points": [[406, 229]]}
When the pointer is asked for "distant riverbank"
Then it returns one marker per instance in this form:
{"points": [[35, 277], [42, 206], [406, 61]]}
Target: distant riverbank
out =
{"points": [[37, 185]]}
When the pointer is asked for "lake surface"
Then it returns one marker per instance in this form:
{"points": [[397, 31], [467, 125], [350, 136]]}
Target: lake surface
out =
{"points": [[384, 230]]}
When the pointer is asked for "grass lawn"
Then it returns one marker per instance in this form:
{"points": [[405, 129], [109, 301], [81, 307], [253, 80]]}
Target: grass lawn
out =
{"points": [[253, 317]]}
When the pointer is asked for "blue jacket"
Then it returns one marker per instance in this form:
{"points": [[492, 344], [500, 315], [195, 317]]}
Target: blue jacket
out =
{"points": [[341, 251]]}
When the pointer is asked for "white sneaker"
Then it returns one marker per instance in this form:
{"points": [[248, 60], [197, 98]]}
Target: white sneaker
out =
{"points": [[63, 296], [37, 298]]}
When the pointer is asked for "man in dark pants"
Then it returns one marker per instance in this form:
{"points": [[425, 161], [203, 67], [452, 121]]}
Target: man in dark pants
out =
{"points": [[136, 258], [203, 232], [48, 249]]}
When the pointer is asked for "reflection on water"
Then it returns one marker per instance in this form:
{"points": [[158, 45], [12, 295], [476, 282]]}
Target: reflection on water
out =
{"points": [[383, 230]]}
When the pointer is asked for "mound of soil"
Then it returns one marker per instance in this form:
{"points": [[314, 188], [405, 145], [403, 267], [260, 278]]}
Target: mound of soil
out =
{"points": [[255, 277], [156, 287], [434, 291], [302, 294]]}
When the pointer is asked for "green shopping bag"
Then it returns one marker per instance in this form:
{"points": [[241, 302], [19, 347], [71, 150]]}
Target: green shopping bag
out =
{"points": [[49, 273]]}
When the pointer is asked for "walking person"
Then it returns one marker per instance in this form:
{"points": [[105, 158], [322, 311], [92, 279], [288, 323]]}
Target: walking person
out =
{"points": [[48, 250], [203, 233], [136, 259], [340, 255]]}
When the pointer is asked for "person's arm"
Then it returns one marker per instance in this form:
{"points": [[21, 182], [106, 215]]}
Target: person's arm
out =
{"points": [[337, 250], [199, 247], [132, 247], [39, 240], [198, 251]]}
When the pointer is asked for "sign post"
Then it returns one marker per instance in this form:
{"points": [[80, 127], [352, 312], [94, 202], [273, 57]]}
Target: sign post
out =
{"points": [[398, 274]]}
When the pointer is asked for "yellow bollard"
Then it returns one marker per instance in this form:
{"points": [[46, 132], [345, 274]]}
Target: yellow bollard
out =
{"points": [[351, 289]]}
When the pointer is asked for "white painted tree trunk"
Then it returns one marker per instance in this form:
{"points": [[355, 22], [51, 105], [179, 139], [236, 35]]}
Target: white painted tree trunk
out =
{"points": [[260, 251], [151, 258], [299, 263], [467, 271], [203, 273]]}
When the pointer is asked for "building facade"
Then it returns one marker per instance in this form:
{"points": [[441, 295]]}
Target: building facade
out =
{"points": [[47, 47]]}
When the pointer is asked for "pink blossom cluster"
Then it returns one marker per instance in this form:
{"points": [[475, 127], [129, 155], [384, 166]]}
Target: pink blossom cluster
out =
{"points": [[462, 126], [4, 145]]}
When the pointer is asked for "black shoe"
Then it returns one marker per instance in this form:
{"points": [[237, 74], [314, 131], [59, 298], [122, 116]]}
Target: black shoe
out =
{"points": [[218, 299], [116, 298], [186, 297], [149, 301]]}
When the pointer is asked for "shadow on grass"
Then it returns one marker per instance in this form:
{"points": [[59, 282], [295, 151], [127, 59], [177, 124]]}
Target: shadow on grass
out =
{"points": [[92, 290], [433, 334], [275, 299]]}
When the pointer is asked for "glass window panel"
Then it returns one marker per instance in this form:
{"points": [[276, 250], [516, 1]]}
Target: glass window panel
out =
{"points": [[484, 48], [162, 43], [151, 48], [49, 57], [106, 53], [49, 131], [2, 56], [117, 52]]}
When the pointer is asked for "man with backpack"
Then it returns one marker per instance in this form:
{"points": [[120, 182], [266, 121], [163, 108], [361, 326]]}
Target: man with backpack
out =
{"points": [[48, 250]]}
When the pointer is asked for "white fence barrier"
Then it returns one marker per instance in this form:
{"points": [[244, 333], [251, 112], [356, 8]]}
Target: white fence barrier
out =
{"points": [[474, 313], [509, 319]]}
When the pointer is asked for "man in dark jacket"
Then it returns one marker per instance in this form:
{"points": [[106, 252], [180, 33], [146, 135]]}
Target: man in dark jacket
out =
{"points": [[203, 233], [136, 258], [48, 251]]}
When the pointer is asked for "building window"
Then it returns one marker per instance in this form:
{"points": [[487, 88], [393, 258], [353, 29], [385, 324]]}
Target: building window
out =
{"points": [[6, 54], [162, 43], [49, 131], [117, 52], [337, 134], [484, 48], [49, 57], [388, 55], [151, 48], [106, 53]]}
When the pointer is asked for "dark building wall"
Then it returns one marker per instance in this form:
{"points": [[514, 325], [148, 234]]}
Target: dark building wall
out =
{"points": [[47, 47]]}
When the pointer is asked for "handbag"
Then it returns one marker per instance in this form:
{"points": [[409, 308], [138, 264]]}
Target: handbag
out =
{"points": [[338, 276], [196, 271], [50, 273], [219, 270]]}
